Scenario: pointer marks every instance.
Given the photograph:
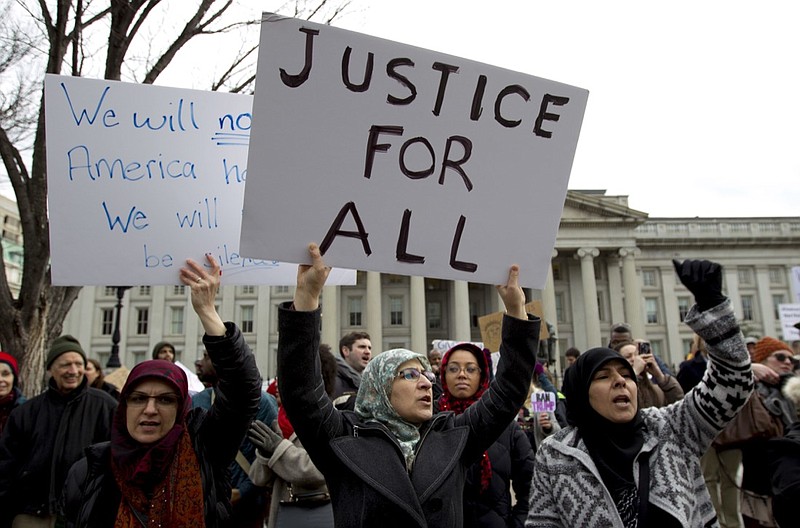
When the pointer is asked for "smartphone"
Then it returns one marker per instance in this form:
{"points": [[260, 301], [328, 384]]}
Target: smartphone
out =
{"points": [[644, 348]]}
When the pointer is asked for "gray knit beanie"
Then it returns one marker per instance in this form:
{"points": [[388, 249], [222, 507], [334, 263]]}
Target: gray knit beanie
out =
{"points": [[62, 345]]}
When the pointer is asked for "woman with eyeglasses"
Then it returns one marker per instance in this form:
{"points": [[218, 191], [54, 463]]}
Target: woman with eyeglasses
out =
{"points": [[167, 464], [465, 373], [392, 462]]}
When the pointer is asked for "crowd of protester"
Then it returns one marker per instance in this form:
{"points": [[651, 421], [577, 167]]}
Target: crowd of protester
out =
{"points": [[354, 437]]}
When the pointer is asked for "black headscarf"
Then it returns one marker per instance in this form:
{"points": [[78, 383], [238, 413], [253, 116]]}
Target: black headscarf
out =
{"points": [[612, 446]]}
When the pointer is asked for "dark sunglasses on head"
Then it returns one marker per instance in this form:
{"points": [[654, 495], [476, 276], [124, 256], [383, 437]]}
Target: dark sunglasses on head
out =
{"points": [[413, 374], [781, 357]]}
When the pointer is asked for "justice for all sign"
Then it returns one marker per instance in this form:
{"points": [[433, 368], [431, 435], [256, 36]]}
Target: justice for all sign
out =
{"points": [[142, 177], [403, 160]]}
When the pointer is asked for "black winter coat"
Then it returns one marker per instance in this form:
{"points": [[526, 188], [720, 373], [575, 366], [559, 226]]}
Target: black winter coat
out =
{"points": [[91, 496], [511, 458], [42, 439], [362, 462], [784, 465]]}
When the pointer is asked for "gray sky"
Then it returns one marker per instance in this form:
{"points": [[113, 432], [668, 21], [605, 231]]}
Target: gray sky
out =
{"points": [[693, 105]]}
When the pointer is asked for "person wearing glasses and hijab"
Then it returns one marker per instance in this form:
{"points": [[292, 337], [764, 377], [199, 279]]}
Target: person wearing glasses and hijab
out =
{"points": [[465, 373], [392, 462], [167, 464], [620, 466]]}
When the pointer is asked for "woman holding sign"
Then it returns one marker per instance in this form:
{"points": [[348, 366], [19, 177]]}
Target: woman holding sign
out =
{"points": [[392, 462], [465, 372], [621, 466]]}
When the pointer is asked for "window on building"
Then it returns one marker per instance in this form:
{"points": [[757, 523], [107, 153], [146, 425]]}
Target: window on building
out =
{"points": [[144, 291], [394, 279], [179, 290], [281, 289], [649, 278], [747, 307], [354, 311], [138, 356], [776, 275], [107, 324], [246, 313], [434, 313], [475, 311], [176, 320], [556, 267], [651, 310], [110, 291], [560, 308], [395, 310], [142, 320], [777, 300], [687, 346], [684, 304], [248, 290], [745, 275]]}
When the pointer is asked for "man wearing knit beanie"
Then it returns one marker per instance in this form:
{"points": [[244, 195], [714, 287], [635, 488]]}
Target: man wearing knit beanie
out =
{"points": [[44, 437]]}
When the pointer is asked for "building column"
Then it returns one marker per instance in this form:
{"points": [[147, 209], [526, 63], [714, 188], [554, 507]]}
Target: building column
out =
{"points": [[331, 325], [267, 361], [589, 286], [549, 307], [674, 352], [374, 311], [633, 291], [461, 327], [419, 327], [766, 309]]}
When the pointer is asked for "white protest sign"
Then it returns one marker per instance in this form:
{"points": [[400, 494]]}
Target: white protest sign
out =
{"points": [[404, 160], [141, 177], [789, 314], [543, 402], [443, 345]]}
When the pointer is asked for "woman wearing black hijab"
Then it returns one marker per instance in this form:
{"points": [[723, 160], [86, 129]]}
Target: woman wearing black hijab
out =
{"points": [[616, 465]]}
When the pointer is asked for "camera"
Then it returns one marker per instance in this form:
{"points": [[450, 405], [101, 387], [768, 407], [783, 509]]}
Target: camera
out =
{"points": [[644, 348]]}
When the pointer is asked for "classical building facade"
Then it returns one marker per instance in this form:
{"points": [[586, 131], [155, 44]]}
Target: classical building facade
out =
{"points": [[611, 264]]}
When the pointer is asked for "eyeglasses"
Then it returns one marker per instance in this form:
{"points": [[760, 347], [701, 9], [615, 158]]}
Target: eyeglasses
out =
{"points": [[162, 401], [455, 370], [413, 374], [781, 357]]}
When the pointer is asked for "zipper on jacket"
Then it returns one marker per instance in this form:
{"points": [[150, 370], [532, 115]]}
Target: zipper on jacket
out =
{"points": [[355, 431]]}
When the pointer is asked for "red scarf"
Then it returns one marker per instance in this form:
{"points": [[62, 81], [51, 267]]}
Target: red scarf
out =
{"points": [[161, 480], [448, 402]]}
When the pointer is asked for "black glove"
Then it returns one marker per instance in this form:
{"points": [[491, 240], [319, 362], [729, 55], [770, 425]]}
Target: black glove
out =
{"points": [[704, 279], [264, 438]]}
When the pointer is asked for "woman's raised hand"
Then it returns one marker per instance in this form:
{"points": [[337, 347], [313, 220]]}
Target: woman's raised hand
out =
{"points": [[204, 282], [310, 280], [512, 294]]}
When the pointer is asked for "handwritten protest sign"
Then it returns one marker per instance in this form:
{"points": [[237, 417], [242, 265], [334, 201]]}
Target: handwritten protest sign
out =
{"points": [[142, 177], [543, 402], [789, 316], [405, 160], [491, 325]]}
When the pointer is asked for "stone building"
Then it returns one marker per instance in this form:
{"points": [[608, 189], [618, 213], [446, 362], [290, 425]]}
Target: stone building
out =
{"points": [[610, 264]]}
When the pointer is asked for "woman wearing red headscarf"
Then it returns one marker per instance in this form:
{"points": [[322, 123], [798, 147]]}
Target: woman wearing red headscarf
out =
{"points": [[10, 395], [166, 464], [465, 373]]}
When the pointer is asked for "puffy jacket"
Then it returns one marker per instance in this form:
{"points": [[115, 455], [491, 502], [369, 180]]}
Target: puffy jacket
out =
{"points": [[42, 439], [511, 458], [362, 462], [91, 497]]}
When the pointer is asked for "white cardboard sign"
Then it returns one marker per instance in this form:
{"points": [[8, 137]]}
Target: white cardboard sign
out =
{"points": [[402, 160], [544, 401], [789, 315], [142, 177]]}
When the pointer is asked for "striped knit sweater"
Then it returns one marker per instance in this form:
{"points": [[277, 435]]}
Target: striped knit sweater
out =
{"points": [[567, 490]]}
